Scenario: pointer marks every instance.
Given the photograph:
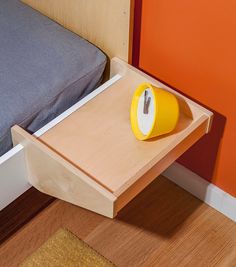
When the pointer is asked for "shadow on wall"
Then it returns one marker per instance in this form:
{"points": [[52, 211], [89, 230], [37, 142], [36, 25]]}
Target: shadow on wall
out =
{"points": [[201, 158], [137, 32]]}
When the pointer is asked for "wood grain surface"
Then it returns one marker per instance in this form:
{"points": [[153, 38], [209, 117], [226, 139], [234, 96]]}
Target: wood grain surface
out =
{"points": [[105, 147], [163, 226], [107, 24], [52, 174]]}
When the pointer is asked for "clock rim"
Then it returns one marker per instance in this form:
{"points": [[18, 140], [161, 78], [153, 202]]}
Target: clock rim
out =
{"points": [[134, 111]]}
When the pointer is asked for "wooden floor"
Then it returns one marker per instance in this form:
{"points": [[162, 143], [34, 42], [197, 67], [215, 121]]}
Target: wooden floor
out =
{"points": [[163, 226]]}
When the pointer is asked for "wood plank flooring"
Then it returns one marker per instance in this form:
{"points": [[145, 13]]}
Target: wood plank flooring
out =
{"points": [[162, 226]]}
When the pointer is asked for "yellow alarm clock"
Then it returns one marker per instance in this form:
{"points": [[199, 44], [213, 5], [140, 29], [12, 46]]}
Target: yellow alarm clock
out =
{"points": [[154, 111]]}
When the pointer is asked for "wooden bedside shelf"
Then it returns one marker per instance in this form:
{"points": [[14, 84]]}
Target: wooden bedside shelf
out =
{"points": [[91, 157]]}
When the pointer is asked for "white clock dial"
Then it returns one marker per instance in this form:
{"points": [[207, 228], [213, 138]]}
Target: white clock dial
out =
{"points": [[146, 111]]}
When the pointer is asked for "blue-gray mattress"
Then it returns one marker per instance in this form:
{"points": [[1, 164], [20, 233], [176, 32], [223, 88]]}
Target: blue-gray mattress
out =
{"points": [[44, 69]]}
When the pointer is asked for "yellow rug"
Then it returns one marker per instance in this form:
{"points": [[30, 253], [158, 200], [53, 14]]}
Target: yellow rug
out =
{"points": [[64, 249]]}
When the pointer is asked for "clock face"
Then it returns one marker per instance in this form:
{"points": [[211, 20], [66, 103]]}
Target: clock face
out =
{"points": [[146, 111]]}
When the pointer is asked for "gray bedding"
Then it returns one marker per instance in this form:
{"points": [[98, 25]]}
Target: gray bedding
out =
{"points": [[44, 69]]}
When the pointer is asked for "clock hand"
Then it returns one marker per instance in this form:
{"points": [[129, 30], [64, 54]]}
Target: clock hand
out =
{"points": [[145, 110], [146, 103]]}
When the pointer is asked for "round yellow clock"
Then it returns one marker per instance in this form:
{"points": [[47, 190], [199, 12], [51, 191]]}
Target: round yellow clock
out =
{"points": [[154, 112]]}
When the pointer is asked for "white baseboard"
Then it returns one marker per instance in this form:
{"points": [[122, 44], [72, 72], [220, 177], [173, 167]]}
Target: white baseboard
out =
{"points": [[202, 189]]}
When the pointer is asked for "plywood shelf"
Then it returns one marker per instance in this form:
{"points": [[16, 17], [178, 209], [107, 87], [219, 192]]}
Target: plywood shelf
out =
{"points": [[96, 142]]}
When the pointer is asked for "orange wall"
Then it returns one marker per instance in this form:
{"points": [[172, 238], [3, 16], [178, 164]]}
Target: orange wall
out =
{"points": [[191, 45]]}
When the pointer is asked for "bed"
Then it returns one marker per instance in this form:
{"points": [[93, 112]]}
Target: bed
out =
{"points": [[44, 69], [60, 91]]}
